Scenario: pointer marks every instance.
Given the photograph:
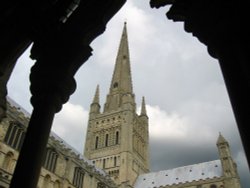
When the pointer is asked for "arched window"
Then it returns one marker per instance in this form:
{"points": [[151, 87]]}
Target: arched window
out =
{"points": [[57, 184], [117, 137], [50, 160], [7, 163], [96, 142], [46, 181], [78, 177], [104, 163], [115, 161], [106, 140], [213, 186], [15, 135]]}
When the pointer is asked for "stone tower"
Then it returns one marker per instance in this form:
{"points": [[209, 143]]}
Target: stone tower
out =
{"points": [[229, 167], [117, 138]]}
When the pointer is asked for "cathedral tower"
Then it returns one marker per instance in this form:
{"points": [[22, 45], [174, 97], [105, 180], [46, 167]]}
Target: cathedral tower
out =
{"points": [[117, 139], [228, 165]]}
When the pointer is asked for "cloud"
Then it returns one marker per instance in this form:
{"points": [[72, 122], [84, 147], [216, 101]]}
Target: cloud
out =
{"points": [[71, 124], [189, 136], [165, 125]]}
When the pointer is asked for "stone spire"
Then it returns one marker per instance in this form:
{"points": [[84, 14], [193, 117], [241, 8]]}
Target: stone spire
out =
{"points": [[121, 90], [221, 140], [96, 97], [228, 165], [143, 108], [95, 106]]}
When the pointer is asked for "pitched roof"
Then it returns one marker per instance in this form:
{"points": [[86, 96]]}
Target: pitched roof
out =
{"points": [[15, 109], [196, 172]]}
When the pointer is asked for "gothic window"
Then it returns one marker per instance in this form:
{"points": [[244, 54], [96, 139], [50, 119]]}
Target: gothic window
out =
{"points": [[57, 184], [117, 137], [8, 161], [96, 142], [15, 136], [115, 161], [106, 140], [78, 177], [104, 163], [50, 160], [46, 181], [115, 85]]}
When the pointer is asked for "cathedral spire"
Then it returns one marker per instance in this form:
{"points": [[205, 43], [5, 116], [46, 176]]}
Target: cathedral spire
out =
{"points": [[143, 107], [121, 84], [122, 75], [96, 97]]}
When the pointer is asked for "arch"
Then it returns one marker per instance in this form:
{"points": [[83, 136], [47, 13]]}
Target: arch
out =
{"points": [[50, 159], [96, 142], [46, 181], [106, 140], [213, 186], [7, 163], [15, 135], [57, 184], [117, 137], [78, 177], [115, 161], [104, 163]]}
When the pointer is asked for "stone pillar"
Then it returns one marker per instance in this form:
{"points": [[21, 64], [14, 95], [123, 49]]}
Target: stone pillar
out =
{"points": [[52, 83]]}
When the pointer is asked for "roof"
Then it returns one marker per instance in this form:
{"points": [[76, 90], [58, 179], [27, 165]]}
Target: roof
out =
{"points": [[185, 174], [18, 109]]}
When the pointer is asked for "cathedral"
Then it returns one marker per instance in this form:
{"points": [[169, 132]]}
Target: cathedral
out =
{"points": [[116, 153]]}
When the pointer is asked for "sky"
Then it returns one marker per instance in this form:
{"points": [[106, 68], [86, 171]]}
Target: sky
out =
{"points": [[186, 99]]}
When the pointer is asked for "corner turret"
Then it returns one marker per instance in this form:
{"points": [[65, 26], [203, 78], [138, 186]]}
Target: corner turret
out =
{"points": [[95, 106], [229, 167]]}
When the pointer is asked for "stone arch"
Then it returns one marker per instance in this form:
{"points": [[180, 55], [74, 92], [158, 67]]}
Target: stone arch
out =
{"points": [[57, 184], [8, 161], [97, 140], [46, 181]]}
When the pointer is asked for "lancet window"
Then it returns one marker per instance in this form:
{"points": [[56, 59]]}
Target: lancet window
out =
{"points": [[78, 177], [50, 159], [15, 135]]}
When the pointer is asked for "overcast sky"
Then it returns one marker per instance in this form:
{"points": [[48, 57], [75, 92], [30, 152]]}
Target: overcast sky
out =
{"points": [[187, 102]]}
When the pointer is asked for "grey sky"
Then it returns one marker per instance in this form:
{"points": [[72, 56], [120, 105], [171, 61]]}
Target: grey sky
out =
{"points": [[186, 99]]}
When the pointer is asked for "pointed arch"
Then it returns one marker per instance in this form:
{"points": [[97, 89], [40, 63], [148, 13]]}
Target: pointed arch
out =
{"points": [[57, 184], [115, 161], [46, 181], [104, 163], [15, 135], [117, 135], [96, 142], [50, 159], [106, 140], [78, 177], [8, 160]]}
